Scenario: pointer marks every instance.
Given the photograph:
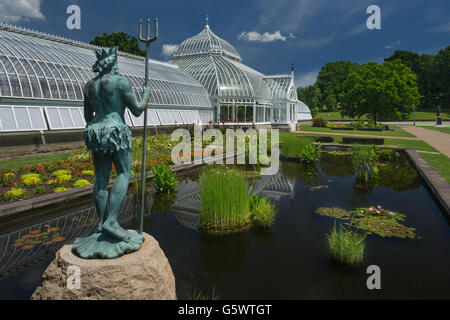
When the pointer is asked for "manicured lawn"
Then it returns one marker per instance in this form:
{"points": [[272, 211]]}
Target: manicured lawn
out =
{"points": [[398, 132], [410, 144], [419, 115], [13, 164], [439, 162], [444, 130]]}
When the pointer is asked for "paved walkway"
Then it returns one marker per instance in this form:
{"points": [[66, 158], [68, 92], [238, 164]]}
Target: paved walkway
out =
{"points": [[439, 140], [313, 133]]}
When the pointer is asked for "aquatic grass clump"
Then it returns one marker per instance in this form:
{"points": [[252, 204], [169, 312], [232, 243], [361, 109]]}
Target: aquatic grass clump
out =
{"points": [[310, 153], [225, 203], [262, 212], [346, 246]]}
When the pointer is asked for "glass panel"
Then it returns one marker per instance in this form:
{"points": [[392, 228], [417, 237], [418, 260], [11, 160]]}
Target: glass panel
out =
{"points": [[53, 118], [4, 85], [15, 85], [76, 116], [22, 118], [65, 117], [7, 118], [223, 113], [25, 86], [249, 114], [241, 114], [36, 118]]}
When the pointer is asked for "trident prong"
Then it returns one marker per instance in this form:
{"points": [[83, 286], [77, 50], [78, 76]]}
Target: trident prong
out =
{"points": [[147, 41]]}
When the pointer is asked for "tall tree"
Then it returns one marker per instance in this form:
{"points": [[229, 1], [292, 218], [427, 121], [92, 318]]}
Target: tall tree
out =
{"points": [[330, 79], [381, 90], [441, 70], [310, 95], [124, 41]]}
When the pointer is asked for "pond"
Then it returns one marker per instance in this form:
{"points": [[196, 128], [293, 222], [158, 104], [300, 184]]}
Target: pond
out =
{"points": [[292, 261]]}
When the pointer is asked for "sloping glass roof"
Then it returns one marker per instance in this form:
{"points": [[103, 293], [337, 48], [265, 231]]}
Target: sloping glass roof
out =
{"points": [[206, 42], [34, 65], [281, 87]]}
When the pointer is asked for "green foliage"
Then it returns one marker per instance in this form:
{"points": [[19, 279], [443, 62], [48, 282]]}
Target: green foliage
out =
{"points": [[330, 82], [262, 212], [383, 91], [39, 190], [310, 153], [81, 183], [61, 189], [82, 154], [433, 75], [311, 96], [319, 122], [225, 204], [13, 193], [373, 220], [124, 41], [31, 179], [346, 246], [87, 172], [164, 180], [7, 178], [363, 161]]}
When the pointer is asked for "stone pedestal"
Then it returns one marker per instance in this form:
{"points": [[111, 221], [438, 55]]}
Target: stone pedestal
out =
{"points": [[144, 274], [438, 120]]}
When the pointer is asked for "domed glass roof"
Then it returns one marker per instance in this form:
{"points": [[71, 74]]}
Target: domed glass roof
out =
{"points": [[206, 42]]}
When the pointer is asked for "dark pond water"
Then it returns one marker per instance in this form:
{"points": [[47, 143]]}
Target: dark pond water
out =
{"points": [[290, 262]]}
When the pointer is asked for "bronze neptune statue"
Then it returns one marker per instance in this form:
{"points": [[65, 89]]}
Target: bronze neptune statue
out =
{"points": [[109, 139]]}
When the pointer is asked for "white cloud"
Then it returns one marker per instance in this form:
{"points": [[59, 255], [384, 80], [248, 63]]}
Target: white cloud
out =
{"points": [[12, 11], [169, 49], [291, 35], [306, 79], [393, 45], [265, 37], [440, 28]]}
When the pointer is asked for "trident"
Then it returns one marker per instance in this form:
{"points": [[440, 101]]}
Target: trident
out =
{"points": [[147, 41]]}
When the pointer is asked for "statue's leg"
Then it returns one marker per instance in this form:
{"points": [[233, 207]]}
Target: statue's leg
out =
{"points": [[102, 164], [122, 161]]}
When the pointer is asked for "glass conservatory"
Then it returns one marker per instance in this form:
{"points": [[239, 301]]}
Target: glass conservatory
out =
{"points": [[42, 79], [239, 94]]}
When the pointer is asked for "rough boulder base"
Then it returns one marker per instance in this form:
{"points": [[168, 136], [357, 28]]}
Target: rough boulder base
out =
{"points": [[145, 274]]}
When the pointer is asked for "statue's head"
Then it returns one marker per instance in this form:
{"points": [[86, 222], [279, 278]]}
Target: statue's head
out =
{"points": [[106, 60]]}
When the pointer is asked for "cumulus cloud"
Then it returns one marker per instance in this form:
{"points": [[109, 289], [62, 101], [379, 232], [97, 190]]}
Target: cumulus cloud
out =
{"points": [[12, 11], [306, 79], [169, 49], [265, 37]]}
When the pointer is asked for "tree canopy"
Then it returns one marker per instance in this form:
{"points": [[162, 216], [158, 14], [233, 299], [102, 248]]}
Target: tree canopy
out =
{"points": [[124, 41], [310, 95], [382, 90]]}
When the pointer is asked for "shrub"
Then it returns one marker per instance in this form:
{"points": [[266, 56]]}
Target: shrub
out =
{"points": [[225, 204], [262, 212], [319, 122], [13, 193], [87, 172], [8, 178], [60, 173], [346, 246], [310, 153], [81, 183], [31, 179], [61, 189], [164, 180], [39, 190]]}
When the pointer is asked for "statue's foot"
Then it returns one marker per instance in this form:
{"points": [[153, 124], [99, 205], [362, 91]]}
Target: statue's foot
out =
{"points": [[99, 228], [116, 231]]}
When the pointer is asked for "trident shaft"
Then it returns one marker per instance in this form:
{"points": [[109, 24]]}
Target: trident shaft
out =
{"points": [[147, 41]]}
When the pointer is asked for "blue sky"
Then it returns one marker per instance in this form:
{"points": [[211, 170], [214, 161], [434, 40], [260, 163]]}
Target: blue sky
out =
{"points": [[269, 34]]}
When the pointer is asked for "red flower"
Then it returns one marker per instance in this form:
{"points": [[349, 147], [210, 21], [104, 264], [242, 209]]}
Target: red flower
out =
{"points": [[12, 184], [228, 120], [210, 121], [3, 190]]}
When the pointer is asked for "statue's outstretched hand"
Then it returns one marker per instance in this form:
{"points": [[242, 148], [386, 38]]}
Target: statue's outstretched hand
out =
{"points": [[145, 96]]}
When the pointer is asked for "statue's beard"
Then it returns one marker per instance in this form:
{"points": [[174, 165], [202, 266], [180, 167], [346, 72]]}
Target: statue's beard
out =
{"points": [[106, 65]]}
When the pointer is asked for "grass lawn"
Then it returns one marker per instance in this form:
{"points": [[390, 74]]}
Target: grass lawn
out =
{"points": [[439, 162], [13, 164], [444, 129], [419, 115], [398, 132]]}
